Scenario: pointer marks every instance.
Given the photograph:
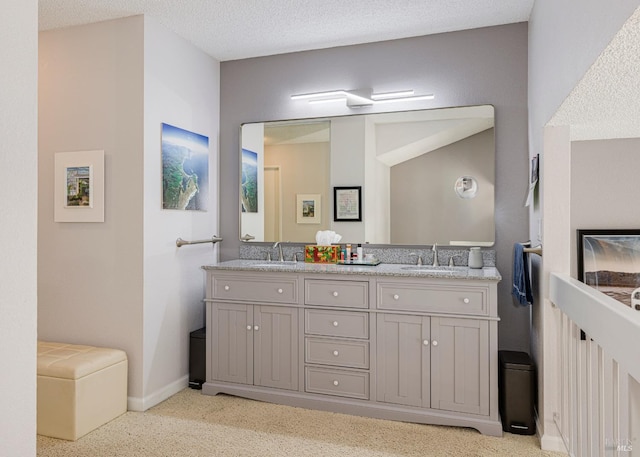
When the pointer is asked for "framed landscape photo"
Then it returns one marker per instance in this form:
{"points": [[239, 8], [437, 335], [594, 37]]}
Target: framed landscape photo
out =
{"points": [[347, 204], [609, 260], [308, 209], [79, 186]]}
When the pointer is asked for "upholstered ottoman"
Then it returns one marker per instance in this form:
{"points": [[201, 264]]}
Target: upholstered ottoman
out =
{"points": [[80, 388]]}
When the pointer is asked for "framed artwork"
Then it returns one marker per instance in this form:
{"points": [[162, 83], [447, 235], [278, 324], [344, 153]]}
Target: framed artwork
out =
{"points": [[79, 186], [185, 169], [249, 182], [609, 260], [308, 209], [347, 204]]}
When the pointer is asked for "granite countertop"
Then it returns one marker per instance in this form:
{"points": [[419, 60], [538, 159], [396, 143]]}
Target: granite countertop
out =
{"points": [[383, 269]]}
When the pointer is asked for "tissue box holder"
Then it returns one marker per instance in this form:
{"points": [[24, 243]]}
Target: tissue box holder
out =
{"points": [[321, 254]]}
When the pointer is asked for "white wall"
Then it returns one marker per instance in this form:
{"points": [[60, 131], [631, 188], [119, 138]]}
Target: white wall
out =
{"points": [[18, 230], [613, 202], [124, 283], [90, 275], [564, 41], [181, 88]]}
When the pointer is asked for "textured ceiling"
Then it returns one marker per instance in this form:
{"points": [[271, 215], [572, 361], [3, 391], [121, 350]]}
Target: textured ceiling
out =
{"points": [[605, 104], [238, 29]]}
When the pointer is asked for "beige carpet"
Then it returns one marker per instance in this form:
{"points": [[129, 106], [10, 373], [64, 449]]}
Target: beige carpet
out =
{"points": [[193, 425]]}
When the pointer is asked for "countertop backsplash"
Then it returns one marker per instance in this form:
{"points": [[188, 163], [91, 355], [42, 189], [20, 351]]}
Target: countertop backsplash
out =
{"points": [[391, 254]]}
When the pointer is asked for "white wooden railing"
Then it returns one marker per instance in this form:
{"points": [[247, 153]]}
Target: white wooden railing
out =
{"points": [[599, 404]]}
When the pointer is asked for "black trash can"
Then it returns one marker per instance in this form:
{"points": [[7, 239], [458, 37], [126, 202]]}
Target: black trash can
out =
{"points": [[197, 358], [517, 385]]}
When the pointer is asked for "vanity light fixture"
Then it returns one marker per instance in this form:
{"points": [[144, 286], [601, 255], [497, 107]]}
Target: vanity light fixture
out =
{"points": [[360, 98]]}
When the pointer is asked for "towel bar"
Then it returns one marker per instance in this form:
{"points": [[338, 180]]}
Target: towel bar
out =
{"points": [[214, 239], [536, 250]]}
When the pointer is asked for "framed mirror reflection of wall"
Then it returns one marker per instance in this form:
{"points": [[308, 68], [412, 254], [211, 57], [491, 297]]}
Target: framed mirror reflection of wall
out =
{"points": [[405, 165]]}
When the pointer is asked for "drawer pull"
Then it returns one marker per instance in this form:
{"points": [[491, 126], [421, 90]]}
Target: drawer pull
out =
{"points": [[249, 327], [279, 291], [466, 300], [335, 294], [336, 353], [256, 328], [396, 297], [335, 383], [227, 287], [335, 323], [435, 343], [426, 342]]}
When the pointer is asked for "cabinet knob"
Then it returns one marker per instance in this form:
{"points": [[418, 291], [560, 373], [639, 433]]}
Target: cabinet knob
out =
{"points": [[227, 287], [335, 323], [279, 291], [335, 294], [336, 353], [434, 343], [425, 342], [255, 327], [396, 296], [249, 327], [466, 300], [335, 383]]}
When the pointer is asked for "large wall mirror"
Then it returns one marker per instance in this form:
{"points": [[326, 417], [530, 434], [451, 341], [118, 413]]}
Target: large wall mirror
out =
{"points": [[411, 177]]}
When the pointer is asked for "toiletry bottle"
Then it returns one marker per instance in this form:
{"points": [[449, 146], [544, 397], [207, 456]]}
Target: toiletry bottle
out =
{"points": [[359, 251], [348, 258]]}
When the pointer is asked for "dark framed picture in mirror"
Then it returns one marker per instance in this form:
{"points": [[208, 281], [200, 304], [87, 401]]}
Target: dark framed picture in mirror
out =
{"points": [[347, 204]]}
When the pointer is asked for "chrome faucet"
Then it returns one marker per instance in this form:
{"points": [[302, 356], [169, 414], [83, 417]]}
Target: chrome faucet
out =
{"points": [[435, 255], [278, 245]]}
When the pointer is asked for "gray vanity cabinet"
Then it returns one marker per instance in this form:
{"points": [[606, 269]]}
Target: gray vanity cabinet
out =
{"points": [[433, 362], [404, 360], [254, 344], [429, 360], [459, 365], [390, 346]]}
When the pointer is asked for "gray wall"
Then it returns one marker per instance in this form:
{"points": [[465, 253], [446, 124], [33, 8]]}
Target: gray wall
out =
{"points": [[473, 67]]}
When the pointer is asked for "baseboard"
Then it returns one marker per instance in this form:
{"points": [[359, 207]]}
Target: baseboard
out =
{"points": [[160, 395], [549, 442]]}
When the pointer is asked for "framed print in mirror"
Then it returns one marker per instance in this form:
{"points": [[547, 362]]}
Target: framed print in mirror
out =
{"points": [[308, 209], [609, 260], [79, 186], [347, 204]]}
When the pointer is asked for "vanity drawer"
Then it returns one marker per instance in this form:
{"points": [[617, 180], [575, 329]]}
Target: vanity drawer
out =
{"points": [[458, 299], [337, 382], [259, 288], [349, 324], [351, 354], [348, 294]]}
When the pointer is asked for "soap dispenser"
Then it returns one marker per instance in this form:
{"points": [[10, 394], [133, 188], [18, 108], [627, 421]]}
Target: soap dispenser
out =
{"points": [[475, 258]]}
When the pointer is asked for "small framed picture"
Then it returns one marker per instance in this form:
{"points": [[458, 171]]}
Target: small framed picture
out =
{"points": [[347, 204], [308, 209], [609, 260], [79, 186]]}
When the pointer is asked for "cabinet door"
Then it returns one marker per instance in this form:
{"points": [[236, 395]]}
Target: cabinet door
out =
{"points": [[403, 360], [276, 347], [460, 365], [232, 342]]}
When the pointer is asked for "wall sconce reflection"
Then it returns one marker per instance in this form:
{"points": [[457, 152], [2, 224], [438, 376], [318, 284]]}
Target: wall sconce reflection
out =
{"points": [[466, 187]]}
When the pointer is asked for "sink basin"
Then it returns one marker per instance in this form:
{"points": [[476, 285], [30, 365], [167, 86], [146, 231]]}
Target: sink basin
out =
{"points": [[274, 264], [432, 269]]}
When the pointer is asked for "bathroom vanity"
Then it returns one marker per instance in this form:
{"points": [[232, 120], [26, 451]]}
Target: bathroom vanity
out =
{"points": [[399, 342]]}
